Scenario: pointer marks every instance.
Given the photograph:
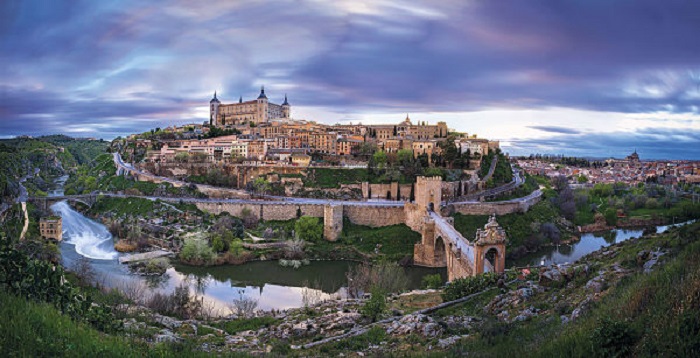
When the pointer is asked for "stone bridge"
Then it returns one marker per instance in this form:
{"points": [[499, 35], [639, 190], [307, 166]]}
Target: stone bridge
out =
{"points": [[443, 246], [45, 202]]}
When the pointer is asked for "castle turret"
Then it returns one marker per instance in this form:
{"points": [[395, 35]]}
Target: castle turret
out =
{"points": [[262, 107]]}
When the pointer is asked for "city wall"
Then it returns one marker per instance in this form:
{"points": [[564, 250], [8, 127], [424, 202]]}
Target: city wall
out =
{"points": [[499, 208], [374, 216]]}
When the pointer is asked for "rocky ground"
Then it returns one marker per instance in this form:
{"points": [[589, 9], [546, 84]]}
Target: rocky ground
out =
{"points": [[560, 294]]}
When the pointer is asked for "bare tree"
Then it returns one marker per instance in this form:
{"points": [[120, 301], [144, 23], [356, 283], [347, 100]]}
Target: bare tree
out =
{"points": [[243, 306]]}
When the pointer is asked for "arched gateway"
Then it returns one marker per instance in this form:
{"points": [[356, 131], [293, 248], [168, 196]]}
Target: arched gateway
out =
{"points": [[441, 245]]}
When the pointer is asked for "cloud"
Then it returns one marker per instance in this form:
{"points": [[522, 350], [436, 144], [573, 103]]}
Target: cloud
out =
{"points": [[554, 129], [127, 67]]}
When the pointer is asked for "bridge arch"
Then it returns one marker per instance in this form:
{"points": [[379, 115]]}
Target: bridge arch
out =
{"points": [[440, 252]]}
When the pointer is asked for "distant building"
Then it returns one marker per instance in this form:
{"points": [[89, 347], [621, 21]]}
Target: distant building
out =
{"points": [[257, 111], [51, 227], [634, 157]]}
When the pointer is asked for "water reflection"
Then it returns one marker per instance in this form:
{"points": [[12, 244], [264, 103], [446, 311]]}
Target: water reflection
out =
{"points": [[589, 242]]}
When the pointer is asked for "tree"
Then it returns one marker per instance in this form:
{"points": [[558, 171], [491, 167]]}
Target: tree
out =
{"points": [[261, 185], [308, 228], [380, 159]]}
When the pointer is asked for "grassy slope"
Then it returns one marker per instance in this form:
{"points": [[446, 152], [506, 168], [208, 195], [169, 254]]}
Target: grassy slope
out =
{"points": [[645, 315], [518, 225]]}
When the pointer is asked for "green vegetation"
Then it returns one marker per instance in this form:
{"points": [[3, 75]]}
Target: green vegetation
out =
{"points": [[525, 231], [432, 281], [42, 281], [502, 173], [374, 336], [394, 242], [124, 206], [333, 178], [646, 201], [21, 156], [375, 306], [469, 285], [309, 228], [29, 329], [196, 252], [644, 315], [244, 324]]}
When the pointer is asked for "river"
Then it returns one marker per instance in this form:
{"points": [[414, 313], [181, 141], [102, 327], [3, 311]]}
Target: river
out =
{"points": [[568, 253], [271, 285]]}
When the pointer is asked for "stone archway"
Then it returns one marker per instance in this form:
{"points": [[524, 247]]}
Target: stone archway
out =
{"points": [[440, 252], [491, 258]]}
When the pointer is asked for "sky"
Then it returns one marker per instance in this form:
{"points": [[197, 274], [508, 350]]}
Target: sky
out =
{"points": [[584, 77]]}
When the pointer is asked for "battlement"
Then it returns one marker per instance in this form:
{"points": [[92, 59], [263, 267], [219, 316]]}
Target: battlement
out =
{"points": [[430, 179]]}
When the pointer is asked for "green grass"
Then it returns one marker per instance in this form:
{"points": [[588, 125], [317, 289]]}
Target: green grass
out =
{"points": [[644, 315], [29, 329], [374, 336], [245, 324], [396, 241], [124, 206], [333, 178]]}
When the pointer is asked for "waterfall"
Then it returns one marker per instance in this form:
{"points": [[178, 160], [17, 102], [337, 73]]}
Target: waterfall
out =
{"points": [[91, 239]]}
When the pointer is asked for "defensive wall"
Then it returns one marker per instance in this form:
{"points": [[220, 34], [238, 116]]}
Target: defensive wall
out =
{"points": [[332, 214], [499, 208]]}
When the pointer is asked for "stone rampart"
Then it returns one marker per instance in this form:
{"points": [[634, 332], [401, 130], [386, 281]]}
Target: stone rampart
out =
{"points": [[499, 207], [374, 216]]}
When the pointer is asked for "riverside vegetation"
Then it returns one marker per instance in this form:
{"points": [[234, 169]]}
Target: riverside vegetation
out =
{"points": [[639, 297]]}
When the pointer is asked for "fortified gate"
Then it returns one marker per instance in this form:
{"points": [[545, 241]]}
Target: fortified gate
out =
{"points": [[442, 245]]}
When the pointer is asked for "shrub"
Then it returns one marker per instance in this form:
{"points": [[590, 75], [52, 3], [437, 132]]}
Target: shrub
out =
{"points": [[196, 251], [375, 306], [613, 338], [432, 281], [469, 285], [308, 228], [388, 277]]}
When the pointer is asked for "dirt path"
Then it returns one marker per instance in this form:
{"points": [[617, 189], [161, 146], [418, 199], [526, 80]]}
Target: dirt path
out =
{"points": [[26, 221]]}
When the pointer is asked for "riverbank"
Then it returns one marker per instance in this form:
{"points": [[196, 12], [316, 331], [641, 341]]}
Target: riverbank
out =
{"points": [[628, 288]]}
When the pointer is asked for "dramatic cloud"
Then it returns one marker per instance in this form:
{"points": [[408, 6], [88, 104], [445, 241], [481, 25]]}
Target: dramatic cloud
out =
{"points": [[107, 69]]}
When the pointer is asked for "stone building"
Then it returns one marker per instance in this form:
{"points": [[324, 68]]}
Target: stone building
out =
{"points": [[51, 227], [257, 111]]}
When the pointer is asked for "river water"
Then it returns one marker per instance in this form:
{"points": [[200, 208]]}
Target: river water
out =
{"points": [[273, 286], [568, 253]]}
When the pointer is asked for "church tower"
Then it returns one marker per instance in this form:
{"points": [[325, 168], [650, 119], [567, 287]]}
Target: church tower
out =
{"points": [[286, 108], [214, 110]]}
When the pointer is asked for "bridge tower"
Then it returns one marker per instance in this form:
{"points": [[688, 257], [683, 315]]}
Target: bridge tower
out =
{"points": [[428, 192], [332, 221], [490, 248]]}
